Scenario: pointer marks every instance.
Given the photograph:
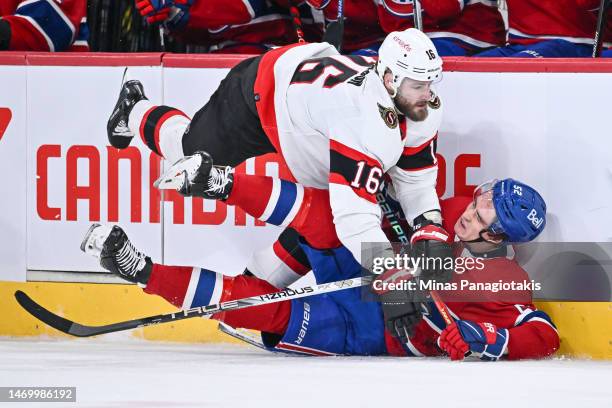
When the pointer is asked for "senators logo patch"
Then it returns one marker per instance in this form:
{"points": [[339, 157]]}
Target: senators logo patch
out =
{"points": [[388, 115], [434, 102]]}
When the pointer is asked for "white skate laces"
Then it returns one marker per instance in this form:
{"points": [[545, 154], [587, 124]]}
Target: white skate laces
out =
{"points": [[218, 179], [130, 260]]}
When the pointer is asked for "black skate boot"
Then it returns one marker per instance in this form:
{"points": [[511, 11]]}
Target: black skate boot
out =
{"points": [[195, 176], [116, 253], [119, 134]]}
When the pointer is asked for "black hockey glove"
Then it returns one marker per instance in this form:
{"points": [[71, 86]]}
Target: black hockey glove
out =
{"points": [[431, 243], [5, 35], [401, 313], [400, 309]]}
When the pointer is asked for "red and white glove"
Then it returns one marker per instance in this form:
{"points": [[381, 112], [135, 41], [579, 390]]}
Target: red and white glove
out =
{"points": [[431, 232], [464, 336], [154, 10], [430, 240]]}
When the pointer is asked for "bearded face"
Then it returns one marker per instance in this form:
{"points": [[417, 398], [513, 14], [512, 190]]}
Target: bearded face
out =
{"points": [[412, 99]]}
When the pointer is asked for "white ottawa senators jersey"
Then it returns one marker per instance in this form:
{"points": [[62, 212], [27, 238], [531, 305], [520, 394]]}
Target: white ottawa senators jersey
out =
{"points": [[334, 123]]}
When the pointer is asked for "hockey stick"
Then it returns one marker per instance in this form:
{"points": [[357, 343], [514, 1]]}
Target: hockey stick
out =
{"points": [[604, 5], [297, 21], [335, 30], [241, 334], [418, 15], [80, 330], [391, 217]]}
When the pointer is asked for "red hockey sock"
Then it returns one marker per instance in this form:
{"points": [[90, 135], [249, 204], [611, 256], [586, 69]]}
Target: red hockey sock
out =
{"points": [[281, 202], [187, 287], [271, 318], [251, 193], [170, 282], [315, 222]]}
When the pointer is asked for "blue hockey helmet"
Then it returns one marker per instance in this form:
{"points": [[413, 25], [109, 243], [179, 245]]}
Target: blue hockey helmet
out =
{"points": [[520, 209]]}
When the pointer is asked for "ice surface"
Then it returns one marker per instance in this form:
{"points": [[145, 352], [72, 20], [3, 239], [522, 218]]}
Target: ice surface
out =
{"points": [[114, 371]]}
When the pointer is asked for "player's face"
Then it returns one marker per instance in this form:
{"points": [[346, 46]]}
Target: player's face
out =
{"points": [[412, 98], [478, 215]]}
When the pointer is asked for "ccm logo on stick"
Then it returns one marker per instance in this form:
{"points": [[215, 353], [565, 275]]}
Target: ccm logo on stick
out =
{"points": [[5, 119]]}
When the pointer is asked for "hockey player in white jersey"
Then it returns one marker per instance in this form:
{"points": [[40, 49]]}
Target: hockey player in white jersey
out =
{"points": [[338, 122]]}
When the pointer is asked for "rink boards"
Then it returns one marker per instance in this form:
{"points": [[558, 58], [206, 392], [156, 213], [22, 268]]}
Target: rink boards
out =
{"points": [[542, 122], [583, 326]]}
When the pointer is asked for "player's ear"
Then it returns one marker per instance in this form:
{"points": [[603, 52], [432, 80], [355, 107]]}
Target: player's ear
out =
{"points": [[388, 78], [493, 238]]}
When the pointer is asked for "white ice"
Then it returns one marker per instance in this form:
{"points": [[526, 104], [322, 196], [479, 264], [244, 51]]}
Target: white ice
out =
{"points": [[118, 372]]}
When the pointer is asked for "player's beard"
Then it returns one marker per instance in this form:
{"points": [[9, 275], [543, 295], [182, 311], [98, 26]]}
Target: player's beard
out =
{"points": [[417, 112]]}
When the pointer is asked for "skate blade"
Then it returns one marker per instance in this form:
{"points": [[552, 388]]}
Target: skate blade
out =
{"points": [[88, 235], [174, 177]]}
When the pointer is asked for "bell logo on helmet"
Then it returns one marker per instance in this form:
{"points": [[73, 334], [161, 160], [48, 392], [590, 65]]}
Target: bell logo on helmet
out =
{"points": [[532, 216]]}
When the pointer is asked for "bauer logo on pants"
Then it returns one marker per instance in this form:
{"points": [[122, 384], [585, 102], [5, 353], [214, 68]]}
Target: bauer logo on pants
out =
{"points": [[5, 119]]}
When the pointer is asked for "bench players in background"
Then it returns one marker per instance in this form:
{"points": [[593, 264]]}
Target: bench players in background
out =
{"points": [[230, 26], [43, 25], [456, 27], [362, 34], [504, 325], [338, 122], [549, 29]]}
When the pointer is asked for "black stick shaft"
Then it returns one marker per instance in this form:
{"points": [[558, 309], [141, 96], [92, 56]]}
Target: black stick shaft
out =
{"points": [[334, 32], [600, 30], [76, 329]]}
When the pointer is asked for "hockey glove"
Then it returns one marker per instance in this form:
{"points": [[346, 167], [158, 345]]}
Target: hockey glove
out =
{"points": [[483, 339], [431, 242], [155, 11], [401, 312], [179, 15]]}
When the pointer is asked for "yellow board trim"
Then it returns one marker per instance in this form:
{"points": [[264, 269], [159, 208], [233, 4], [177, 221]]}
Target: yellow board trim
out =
{"points": [[585, 328], [98, 304]]}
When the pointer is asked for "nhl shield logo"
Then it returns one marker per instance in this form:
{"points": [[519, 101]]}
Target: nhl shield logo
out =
{"points": [[388, 115]]}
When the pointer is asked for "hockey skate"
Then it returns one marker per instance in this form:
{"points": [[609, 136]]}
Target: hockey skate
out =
{"points": [[116, 253], [196, 176], [119, 134]]}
